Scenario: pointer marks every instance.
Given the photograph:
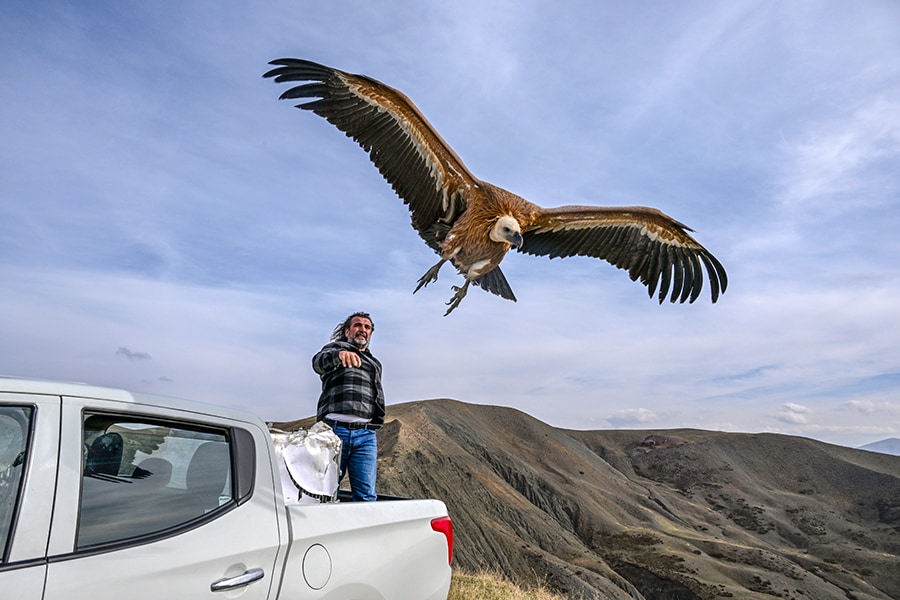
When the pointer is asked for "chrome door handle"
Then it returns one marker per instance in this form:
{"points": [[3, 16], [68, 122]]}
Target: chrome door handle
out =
{"points": [[229, 583]]}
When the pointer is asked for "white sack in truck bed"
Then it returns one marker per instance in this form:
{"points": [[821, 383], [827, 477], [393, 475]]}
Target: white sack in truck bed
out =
{"points": [[308, 460]]}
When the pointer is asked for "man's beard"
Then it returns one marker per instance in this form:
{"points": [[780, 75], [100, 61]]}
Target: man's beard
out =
{"points": [[360, 342]]}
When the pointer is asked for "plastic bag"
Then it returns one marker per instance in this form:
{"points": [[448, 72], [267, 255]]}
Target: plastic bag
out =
{"points": [[309, 462]]}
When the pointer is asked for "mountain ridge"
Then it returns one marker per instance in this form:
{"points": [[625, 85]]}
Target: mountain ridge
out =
{"points": [[886, 446], [640, 514]]}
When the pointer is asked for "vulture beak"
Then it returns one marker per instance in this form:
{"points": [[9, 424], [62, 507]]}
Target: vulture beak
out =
{"points": [[516, 239]]}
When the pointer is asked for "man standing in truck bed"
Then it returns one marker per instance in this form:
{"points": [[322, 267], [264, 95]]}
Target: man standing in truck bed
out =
{"points": [[352, 400]]}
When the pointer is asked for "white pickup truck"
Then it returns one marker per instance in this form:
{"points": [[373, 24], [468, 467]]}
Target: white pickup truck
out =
{"points": [[110, 494]]}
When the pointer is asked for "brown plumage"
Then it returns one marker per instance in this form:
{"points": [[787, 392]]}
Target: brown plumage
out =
{"points": [[472, 223]]}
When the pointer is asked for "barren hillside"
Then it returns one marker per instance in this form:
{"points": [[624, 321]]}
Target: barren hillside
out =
{"points": [[677, 514]]}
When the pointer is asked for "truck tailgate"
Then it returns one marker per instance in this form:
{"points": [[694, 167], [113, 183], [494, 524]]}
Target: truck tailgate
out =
{"points": [[388, 544]]}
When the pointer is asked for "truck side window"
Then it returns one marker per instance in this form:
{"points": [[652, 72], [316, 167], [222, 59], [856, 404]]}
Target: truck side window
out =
{"points": [[146, 476], [15, 425]]}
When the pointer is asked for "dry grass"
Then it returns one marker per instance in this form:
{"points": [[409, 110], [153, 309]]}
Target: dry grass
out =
{"points": [[493, 586]]}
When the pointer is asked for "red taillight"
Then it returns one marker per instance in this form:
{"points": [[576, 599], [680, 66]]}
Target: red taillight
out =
{"points": [[445, 525]]}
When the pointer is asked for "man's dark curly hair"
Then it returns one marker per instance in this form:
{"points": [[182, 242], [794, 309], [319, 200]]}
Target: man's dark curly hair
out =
{"points": [[338, 334]]}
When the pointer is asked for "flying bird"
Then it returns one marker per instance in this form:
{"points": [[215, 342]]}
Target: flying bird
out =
{"points": [[472, 223]]}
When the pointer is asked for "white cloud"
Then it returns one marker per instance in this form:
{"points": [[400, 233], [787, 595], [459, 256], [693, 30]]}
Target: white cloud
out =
{"points": [[868, 407], [630, 417], [682, 53], [795, 414], [833, 168]]}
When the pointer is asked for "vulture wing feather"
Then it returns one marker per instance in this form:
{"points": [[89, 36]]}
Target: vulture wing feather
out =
{"points": [[653, 247], [408, 152]]}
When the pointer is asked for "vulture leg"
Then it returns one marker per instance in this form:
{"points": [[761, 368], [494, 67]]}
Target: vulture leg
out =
{"points": [[458, 296], [430, 275]]}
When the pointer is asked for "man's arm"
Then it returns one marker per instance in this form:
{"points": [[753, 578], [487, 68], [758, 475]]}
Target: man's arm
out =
{"points": [[327, 359], [333, 356]]}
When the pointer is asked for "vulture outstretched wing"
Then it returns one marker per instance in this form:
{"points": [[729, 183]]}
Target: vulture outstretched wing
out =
{"points": [[420, 166], [647, 243], [472, 223]]}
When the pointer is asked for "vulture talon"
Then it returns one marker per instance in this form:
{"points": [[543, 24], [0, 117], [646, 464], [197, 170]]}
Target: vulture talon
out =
{"points": [[457, 297], [430, 275]]}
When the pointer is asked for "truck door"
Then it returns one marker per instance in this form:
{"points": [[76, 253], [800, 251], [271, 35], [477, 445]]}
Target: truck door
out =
{"points": [[160, 507], [29, 430]]}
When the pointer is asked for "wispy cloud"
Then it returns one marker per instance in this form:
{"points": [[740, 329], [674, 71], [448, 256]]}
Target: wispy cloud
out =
{"points": [[630, 417], [837, 167], [795, 414], [868, 407]]}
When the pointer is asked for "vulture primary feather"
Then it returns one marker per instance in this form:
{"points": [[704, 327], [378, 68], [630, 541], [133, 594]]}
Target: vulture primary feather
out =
{"points": [[472, 223]]}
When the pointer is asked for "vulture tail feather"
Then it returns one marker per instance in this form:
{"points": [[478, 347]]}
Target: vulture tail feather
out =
{"points": [[494, 281]]}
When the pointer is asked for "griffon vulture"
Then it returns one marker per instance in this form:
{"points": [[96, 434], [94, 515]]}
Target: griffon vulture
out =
{"points": [[472, 223]]}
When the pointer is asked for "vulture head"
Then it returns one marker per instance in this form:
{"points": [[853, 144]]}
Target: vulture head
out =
{"points": [[507, 230]]}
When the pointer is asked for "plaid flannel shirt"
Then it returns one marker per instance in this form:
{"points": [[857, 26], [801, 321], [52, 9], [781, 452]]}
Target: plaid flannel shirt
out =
{"points": [[349, 390]]}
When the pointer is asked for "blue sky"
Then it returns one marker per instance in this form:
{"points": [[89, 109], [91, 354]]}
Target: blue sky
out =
{"points": [[167, 225]]}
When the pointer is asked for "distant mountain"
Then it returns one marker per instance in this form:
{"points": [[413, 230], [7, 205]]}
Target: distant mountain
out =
{"points": [[888, 446], [678, 514]]}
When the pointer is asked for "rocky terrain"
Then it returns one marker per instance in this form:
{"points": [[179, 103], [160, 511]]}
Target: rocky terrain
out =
{"points": [[675, 514]]}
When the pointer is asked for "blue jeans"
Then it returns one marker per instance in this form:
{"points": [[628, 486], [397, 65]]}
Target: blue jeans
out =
{"points": [[359, 458]]}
